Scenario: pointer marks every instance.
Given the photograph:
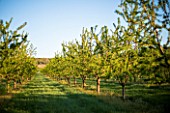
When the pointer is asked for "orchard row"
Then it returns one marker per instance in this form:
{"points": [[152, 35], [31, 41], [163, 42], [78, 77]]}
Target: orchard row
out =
{"points": [[134, 53], [16, 62]]}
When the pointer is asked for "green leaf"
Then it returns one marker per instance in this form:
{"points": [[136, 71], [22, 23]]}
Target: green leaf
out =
{"points": [[23, 25]]}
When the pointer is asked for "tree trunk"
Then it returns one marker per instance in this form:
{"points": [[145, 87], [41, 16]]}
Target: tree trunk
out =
{"points": [[8, 86], [22, 79], [58, 78], [74, 80], [105, 80], [83, 80], [98, 84], [134, 77], [15, 84], [68, 80], [123, 91], [30, 78]]}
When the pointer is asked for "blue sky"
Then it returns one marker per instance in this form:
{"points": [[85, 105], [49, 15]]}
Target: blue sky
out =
{"points": [[51, 22]]}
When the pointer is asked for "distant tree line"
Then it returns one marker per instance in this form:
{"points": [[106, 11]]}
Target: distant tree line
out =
{"points": [[42, 61]]}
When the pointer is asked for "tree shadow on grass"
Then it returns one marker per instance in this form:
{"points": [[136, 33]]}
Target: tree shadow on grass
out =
{"points": [[78, 103], [46, 96], [69, 103]]}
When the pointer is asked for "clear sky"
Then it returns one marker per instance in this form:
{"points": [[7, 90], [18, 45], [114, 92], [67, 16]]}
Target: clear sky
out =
{"points": [[51, 22]]}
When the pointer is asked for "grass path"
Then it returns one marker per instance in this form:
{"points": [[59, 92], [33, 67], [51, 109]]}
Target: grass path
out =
{"points": [[43, 95]]}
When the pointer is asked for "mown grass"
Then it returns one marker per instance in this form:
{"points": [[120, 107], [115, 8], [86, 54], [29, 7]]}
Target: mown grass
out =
{"points": [[43, 95], [157, 97]]}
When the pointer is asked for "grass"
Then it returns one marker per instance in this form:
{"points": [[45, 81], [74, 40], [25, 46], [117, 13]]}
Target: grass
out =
{"points": [[43, 95], [132, 90]]}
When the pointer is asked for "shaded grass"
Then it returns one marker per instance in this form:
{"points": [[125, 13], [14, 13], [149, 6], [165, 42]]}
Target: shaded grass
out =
{"points": [[157, 97], [43, 95]]}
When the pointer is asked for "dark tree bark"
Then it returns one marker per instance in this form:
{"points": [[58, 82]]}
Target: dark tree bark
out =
{"points": [[59, 78], [123, 91], [83, 82], [98, 84]]}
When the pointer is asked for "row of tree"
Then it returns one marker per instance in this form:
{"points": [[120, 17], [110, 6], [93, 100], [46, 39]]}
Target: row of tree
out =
{"points": [[133, 53], [16, 57]]}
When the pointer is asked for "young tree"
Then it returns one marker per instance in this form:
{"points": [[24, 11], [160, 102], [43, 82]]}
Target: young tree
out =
{"points": [[13, 54], [149, 20], [84, 55], [102, 47]]}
